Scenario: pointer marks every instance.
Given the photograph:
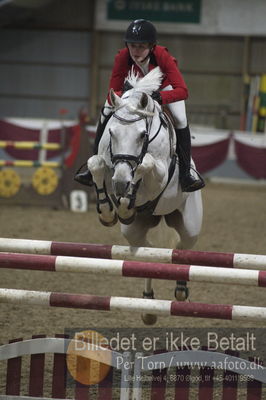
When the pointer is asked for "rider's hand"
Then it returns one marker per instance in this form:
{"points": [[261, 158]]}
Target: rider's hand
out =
{"points": [[126, 87], [157, 96]]}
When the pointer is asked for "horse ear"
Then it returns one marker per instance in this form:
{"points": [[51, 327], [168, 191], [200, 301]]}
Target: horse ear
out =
{"points": [[144, 100], [116, 101]]}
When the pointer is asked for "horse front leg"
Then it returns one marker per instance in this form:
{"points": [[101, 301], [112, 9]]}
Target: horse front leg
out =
{"points": [[154, 170], [107, 215]]}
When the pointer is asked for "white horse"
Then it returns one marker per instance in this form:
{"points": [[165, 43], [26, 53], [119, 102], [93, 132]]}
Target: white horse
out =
{"points": [[136, 172]]}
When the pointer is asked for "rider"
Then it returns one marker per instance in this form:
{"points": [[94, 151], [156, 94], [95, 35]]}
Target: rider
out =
{"points": [[144, 54]]}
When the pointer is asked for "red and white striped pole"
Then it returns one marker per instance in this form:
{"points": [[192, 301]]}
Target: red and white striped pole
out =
{"points": [[136, 269], [216, 259], [151, 306]]}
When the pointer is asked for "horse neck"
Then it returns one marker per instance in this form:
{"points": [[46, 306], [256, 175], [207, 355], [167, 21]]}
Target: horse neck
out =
{"points": [[160, 136]]}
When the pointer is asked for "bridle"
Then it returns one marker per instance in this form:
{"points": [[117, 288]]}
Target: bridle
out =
{"points": [[130, 158]]}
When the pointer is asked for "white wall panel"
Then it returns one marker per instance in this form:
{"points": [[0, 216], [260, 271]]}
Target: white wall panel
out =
{"points": [[39, 80], [258, 56], [109, 45], [45, 46], [206, 54], [64, 14], [213, 90], [40, 70], [35, 108]]}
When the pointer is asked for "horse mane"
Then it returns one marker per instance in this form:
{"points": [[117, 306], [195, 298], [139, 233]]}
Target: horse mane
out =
{"points": [[149, 83]]}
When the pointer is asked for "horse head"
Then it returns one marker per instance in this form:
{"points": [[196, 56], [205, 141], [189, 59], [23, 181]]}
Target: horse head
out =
{"points": [[129, 129], [128, 139]]}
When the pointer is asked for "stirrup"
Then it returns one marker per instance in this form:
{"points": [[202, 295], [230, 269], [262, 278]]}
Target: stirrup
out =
{"points": [[190, 184]]}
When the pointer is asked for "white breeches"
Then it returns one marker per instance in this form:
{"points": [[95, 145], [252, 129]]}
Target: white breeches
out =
{"points": [[178, 110]]}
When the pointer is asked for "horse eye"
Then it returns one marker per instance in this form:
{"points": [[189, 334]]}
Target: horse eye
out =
{"points": [[111, 133], [142, 135]]}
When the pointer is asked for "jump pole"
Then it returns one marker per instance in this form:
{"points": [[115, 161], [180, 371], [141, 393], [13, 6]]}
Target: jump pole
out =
{"points": [[29, 145], [136, 269], [216, 259], [112, 303], [29, 163]]}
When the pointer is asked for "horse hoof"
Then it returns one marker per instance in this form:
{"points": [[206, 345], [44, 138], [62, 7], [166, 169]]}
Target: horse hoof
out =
{"points": [[149, 319], [109, 223], [181, 292]]}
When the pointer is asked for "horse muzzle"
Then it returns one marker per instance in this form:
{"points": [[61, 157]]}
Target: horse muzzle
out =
{"points": [[121, 188]]}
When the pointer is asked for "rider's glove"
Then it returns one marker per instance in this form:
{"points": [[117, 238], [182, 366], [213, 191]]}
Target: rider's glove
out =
{"points": [[126, 87], [157, 96]]}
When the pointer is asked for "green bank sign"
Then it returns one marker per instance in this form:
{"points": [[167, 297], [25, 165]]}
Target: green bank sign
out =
{"points": [[184, 11]]}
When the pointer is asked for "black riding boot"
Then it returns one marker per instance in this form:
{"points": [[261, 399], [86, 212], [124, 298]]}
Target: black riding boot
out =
{"points": [[187, 181], [85, 178]]}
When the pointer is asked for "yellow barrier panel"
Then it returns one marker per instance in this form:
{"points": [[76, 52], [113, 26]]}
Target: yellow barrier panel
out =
{"points": [[44, 181], [9, 183]]}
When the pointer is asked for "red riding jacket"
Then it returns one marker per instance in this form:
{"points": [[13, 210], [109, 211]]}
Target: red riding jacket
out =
{"points": [[159, 57]]}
